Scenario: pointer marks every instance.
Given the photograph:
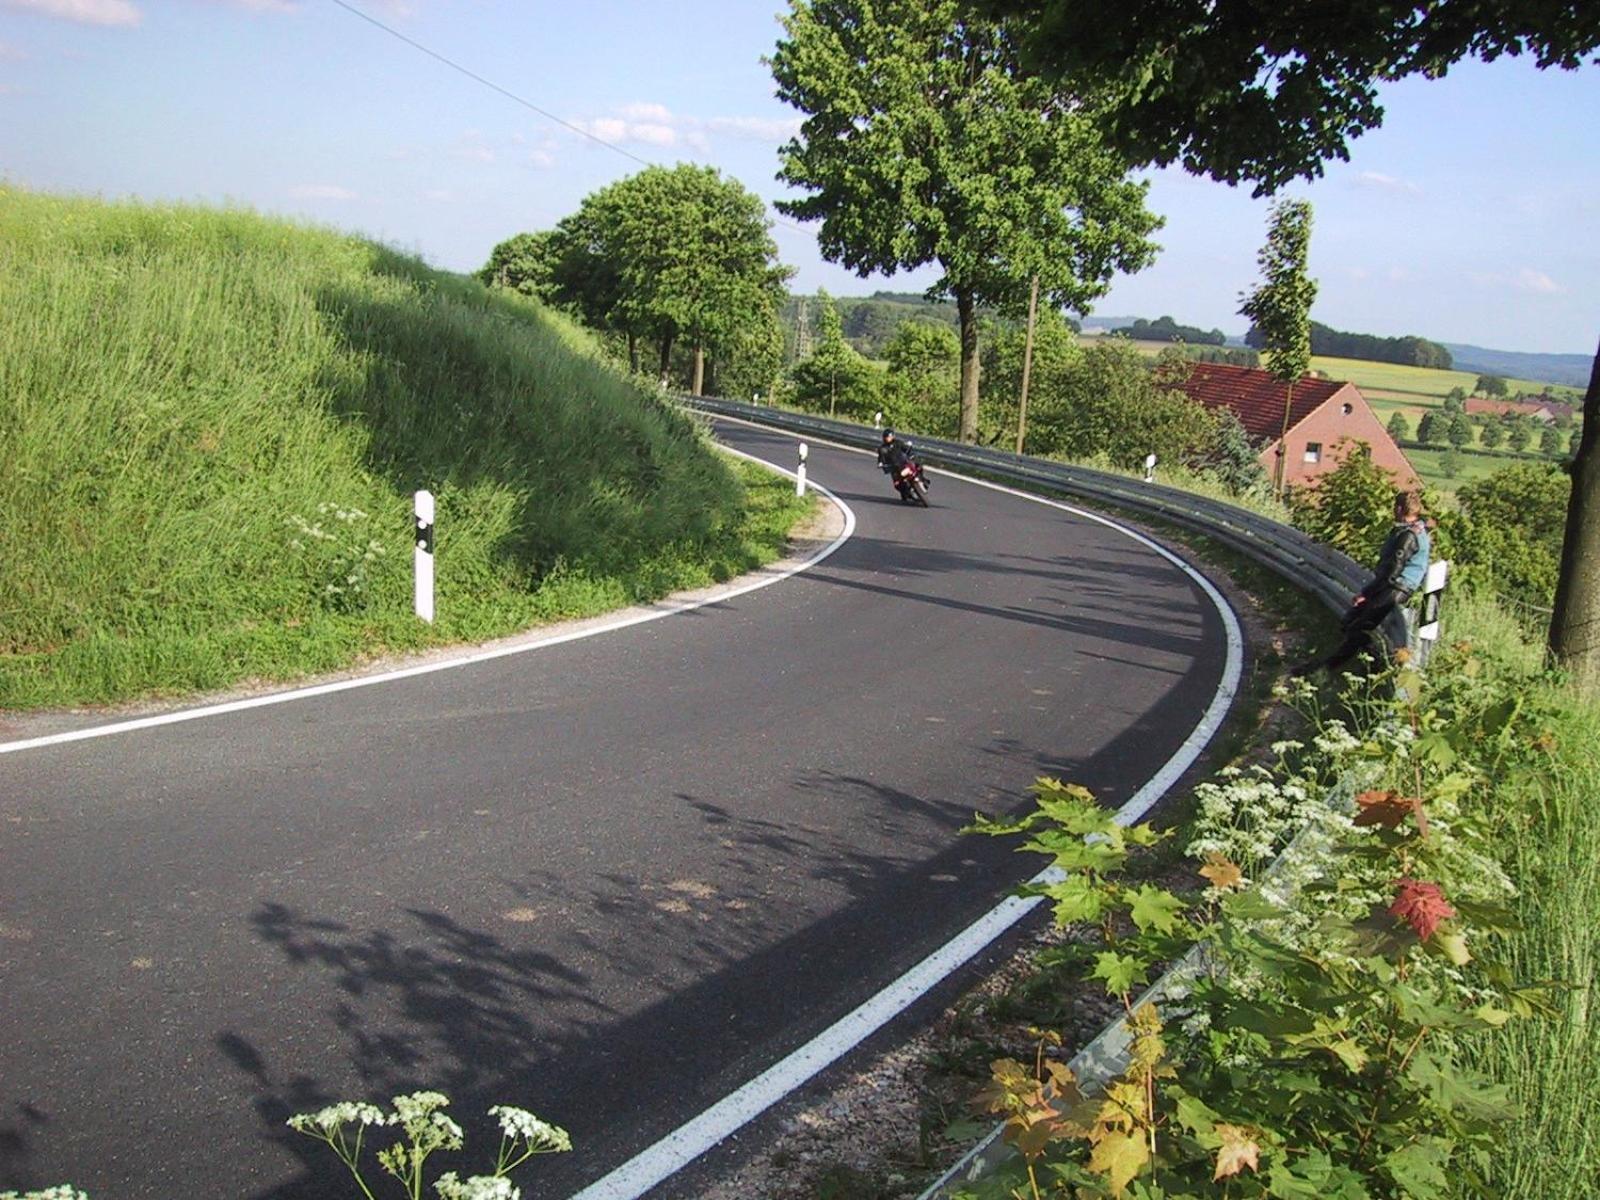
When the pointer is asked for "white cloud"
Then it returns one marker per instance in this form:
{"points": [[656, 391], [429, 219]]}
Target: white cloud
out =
{"points": [[541, 158], [1387, 183], [1529, 280], [273, 6], [321, 191], [760, 129], [85, 12], [652, 134], [657, 113]]}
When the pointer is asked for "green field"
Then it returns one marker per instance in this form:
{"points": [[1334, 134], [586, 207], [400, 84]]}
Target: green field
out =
{"points": [[212, 425], [1421, 384]]}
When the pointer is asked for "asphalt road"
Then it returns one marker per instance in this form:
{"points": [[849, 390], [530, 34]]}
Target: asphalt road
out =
{"points": [[608, 880]]}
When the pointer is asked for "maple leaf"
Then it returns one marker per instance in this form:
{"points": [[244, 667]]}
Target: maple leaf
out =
{"points": [[1220, 873], [1390, 810], [1238, 1151], [1119, 1157], [1420, 905], [1154, 908]]}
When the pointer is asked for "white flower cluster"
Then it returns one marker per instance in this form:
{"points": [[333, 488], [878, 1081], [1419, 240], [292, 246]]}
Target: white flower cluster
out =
{"points": [[347, 1112], [477, 1187], [418, 1114], [1249, 816], [519, 1123], [345, 561]]}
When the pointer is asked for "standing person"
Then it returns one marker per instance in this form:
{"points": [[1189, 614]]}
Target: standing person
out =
{"points": [[1401, 565]]}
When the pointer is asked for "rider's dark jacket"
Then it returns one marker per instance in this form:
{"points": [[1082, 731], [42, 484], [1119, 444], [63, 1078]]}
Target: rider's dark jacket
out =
{"points": [[893, 455]]}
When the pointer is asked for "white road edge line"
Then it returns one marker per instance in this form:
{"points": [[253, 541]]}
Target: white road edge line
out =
{"points": [[693, 1138], [654, 612]]}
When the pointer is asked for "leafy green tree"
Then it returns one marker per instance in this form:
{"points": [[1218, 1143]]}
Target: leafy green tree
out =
{"points": [[1350, 507], [1514, 522], [1520, 434], [674, 253], [1399, 429], [924, 374], [524, 263], [1550, 442], [1266, 93], [835, 373], [1456, 400], [1232, 459], [1055, 356], [1280, 305], [1459, 432], [922, 144], [1491, 435], [1430, 429], [1450, 463], [1238, 90], [1490, 385]]}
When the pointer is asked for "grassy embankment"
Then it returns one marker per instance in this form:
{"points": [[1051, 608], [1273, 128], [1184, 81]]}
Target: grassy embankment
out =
{"points": [[212, 425]]}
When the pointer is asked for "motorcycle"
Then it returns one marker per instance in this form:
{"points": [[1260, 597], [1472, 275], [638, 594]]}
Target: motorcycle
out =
{"points": [[912, 484]]}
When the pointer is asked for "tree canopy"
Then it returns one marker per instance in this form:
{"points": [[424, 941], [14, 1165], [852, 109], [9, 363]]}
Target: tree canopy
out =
{"points": [[1247, 92], [923, 144]]}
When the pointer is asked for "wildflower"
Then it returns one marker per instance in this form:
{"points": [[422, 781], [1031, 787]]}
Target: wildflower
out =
{"points": [[1420, 905], [520, 1123], [346, 1112], [477, 1187]]}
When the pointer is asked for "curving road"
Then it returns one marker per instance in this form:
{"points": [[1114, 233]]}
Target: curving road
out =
{"points": [[610, 880]]}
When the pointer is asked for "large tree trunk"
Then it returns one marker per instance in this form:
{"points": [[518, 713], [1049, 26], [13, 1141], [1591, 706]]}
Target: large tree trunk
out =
{"points": [[666, 359], [699, 369], [966, 309], [1575, 625]]}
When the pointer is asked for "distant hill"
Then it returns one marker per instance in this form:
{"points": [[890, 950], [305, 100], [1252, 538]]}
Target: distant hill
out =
{"points": [[1569, 369]]}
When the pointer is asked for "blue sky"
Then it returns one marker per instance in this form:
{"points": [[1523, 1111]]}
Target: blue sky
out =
{"points": [[1472, 215]]}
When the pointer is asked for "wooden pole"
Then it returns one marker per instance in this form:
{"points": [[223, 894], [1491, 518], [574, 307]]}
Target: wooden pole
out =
{"points": [[1027, 363]]}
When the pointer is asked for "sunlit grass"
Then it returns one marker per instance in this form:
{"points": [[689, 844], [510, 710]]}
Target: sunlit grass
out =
{"points": [[212, 425]]}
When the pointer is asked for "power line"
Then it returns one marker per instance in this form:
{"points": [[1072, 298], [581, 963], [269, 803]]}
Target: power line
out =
{"points": [[512, 96], [489, 83]]}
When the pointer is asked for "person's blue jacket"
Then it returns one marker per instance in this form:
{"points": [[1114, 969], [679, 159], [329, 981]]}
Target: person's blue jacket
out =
{"points": [[1404, 559]]}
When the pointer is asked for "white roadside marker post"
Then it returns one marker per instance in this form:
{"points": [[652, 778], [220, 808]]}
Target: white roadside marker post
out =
{"points": [[1428, 624], [877, 419], [424, 555], [1150, 468], [800, 475]]}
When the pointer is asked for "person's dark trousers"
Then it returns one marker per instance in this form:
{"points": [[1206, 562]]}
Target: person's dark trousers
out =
{"points": [[1360, 621]]}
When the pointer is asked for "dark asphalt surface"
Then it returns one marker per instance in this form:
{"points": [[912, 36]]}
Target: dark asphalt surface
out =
{"points": [[609, 880]]}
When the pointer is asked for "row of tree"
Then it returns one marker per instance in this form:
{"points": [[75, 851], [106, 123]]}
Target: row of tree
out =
{"points": [[675, 259], [1459, 430], [1407, 351], [1165, 329]]}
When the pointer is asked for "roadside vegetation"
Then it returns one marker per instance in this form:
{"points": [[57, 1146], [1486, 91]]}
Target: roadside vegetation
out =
{"points": [[212, 425]]}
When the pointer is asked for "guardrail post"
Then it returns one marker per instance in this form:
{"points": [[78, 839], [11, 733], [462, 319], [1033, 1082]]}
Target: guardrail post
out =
{"points": [[1432, 592], [800, 474], [424, 555]]}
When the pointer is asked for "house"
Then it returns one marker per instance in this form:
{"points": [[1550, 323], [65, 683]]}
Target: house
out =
{"points": [[1544, 411], [1322, 414]]}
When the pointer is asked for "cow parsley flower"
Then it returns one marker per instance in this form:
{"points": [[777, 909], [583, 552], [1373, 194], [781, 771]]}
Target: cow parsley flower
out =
{"points": [[540, 1134]]}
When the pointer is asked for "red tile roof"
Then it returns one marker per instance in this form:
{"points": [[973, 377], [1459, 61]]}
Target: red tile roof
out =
{"points": [[1257, 397]]}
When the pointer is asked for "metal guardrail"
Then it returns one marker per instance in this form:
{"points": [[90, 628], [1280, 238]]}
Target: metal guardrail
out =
{"points": [[1332, 577], [1326, 573]]}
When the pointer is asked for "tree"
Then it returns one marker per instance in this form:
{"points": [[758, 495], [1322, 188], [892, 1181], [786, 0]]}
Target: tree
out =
{"points": [[924, 374], [673, 253], [1520, 434], [1280, 306], [835, 372], [1490, 385], [1513, 536], [1349, 507], [1243, 91], [1430, 429], [1239, 90], [525, 263], [1491, 435], [1459, 432], [1232, 459], [1450, 463], [1456, 401], [1550, 442], [1399, 430], [922, 143]]}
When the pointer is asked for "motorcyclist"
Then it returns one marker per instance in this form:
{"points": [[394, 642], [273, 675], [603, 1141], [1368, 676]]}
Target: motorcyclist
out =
{"points": [[894, 454]]}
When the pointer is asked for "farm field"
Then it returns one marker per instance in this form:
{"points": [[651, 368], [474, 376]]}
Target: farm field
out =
{"points": [[1417, 384]]}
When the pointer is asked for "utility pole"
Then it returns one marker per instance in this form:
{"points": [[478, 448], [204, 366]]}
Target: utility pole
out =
{"points": [[1027, 362]]}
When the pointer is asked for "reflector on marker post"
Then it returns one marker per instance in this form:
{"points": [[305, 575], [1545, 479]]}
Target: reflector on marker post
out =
{"points": [[800, 474], [1432, 591], [877, 419], [424, 555], [1149, 467]]}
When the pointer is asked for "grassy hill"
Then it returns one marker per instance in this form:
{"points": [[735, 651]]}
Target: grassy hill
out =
{"points": [[212, 425]]}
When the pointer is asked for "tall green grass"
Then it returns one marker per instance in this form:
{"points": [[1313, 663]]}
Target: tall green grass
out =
{"points": [[1547, 803], [211, 426]]}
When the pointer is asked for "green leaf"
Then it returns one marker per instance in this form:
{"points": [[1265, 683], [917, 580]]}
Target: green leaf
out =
{"points": [[1120, 971], [1076, 899], [1195, 1115], [1154, 908], [1457, 1090], [1419, 1169]]}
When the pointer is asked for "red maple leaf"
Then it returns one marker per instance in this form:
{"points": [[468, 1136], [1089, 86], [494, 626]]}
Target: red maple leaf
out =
{"points": [[1420, 905], [1390, 810]]}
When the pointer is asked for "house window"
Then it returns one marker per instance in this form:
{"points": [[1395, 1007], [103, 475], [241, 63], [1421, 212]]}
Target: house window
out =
{"points": [[1348, 409], [1313, 452]]}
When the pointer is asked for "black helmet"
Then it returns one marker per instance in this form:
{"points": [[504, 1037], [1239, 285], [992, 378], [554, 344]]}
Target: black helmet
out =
{"points": [[888, 435]]}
